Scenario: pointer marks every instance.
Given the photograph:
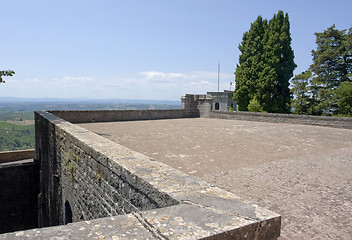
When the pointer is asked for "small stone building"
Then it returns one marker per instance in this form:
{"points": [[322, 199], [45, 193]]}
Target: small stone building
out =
{"points": [[223, 100]]}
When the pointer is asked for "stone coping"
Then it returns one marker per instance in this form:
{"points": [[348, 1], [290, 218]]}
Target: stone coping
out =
{"points": [[83, 116], [203, 211], [324, 121], [16, 163], [10, 156]]}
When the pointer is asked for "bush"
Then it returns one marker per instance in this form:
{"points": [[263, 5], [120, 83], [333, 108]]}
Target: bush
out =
{"points": [[344, 95], [254, 106]]}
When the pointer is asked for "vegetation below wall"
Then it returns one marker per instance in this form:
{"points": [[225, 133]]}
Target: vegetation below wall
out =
{"points": [[16, 115], [16, 137]]}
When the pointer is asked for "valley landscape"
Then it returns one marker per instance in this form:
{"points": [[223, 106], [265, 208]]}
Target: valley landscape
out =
{"points": [[17, 115]]}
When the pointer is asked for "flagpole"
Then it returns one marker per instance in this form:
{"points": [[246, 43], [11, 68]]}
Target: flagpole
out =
{"points": [[219, 77]]}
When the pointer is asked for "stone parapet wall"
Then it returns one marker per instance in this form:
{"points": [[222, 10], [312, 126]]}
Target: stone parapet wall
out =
{"points": [[83, 116], [73, 171], [93, 177], [325, 121]]}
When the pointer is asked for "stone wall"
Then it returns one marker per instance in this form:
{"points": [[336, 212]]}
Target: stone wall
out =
{"points": [[325, 121], [121, 115], [120, 193], [19, 189], [79, 181]]}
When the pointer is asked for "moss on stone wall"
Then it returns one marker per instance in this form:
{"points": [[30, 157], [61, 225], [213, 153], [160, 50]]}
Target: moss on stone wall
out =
{"points": [[69, 164]]}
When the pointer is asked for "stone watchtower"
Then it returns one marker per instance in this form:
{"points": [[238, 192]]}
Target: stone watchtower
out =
{"points": [[196, 105]]}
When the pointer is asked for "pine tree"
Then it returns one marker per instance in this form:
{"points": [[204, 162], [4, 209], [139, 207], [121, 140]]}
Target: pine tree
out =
{"points": [[347, 55], [330, 67], [329, 86]]}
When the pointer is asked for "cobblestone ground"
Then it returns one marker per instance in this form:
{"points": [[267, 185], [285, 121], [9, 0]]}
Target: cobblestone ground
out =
{"points": [[300, 172]]}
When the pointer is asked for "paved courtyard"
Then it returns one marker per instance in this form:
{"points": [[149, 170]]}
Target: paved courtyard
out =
{"points": [[302, 172]]}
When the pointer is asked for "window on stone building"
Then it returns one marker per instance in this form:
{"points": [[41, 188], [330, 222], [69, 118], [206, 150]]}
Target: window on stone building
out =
{"points": [[217, 106]]}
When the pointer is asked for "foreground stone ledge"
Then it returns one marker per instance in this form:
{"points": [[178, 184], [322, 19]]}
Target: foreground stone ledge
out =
{"points": [[184, 221]]}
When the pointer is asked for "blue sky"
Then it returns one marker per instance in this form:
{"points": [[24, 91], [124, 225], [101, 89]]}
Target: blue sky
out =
{"points": [[152, 49]]}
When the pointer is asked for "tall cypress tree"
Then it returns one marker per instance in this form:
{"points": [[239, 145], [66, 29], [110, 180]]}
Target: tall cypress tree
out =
{"points": [[250, 63], [279, 55], [266, 65]]}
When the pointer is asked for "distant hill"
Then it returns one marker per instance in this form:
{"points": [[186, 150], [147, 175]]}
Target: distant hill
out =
{"points": [[76, 101], [23, 108], [15, 134]]}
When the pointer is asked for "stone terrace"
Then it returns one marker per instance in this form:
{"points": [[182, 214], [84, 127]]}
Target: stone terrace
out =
{"points": [[301, 172]]}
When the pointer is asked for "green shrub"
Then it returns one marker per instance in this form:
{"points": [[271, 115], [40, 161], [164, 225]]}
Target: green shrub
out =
{"points": [[254, 106]]}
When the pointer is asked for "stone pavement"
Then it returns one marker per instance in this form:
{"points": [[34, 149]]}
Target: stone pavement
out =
{"points": [[301, 172]]}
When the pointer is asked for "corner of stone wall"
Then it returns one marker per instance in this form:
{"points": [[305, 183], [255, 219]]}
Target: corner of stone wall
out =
{"points": [[197, 105]]}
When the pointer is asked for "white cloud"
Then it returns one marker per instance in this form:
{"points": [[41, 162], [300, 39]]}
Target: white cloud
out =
{"points": [[192, 75], [177, 75], [70, 80], [161, 76], [152, 74], [144, 85]]}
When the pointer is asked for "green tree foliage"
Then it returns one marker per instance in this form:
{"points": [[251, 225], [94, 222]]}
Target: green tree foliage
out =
{"points": [[14, 137], [300, 84], [250, 63], [331, 68], [5, 73], [347, 55], [344, 98], [280, 56], [266, 65], [254, 105]]}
